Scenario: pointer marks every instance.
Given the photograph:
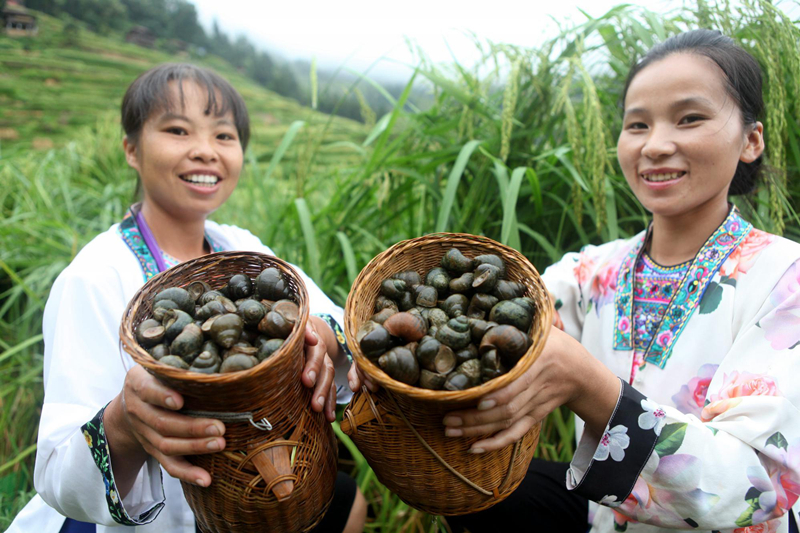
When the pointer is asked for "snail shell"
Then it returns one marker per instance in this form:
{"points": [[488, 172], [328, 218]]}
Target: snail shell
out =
{"points": [[405, 302], [506, 290], [431, 380], [435, 356], [239, 286], [179, 296], [455, 261], [214, 307], [400, 364], [510, 343], [205, 363], [514, 312], [196, 289], [209, 296], [270, 285], [211, 347], [468, 374], [408, 326], [455, 305], [188, 343], [268, 347], [486, 278], [382, 302], [483, 301], [237, 362], [373, 339], [491, 259], [251, 312], [174, 322], [491, 366], [463, 283], [478, 328], [158, 351], [381, 316], [280, 322], [226, 329], [393, 288], [426, 295], [465, 354], [438, 278], [411, 277], [149, 333], [455, 333], [437, 317], [161, 307], [174, 360]]}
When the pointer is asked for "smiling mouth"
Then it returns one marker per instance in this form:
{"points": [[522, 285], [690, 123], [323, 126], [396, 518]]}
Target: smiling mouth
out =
{"points": [[203, 180], [662, 177]]}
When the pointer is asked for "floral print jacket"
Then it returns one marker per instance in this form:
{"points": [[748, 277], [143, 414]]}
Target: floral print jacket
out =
{"points": [[707, 436]]}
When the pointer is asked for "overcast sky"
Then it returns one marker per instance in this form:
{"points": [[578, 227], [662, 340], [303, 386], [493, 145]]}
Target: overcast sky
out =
{"points": [[358, 32]]}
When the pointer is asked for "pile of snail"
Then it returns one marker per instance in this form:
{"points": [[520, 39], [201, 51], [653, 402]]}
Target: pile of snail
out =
{"points": [[226, 330], [459, 327]]}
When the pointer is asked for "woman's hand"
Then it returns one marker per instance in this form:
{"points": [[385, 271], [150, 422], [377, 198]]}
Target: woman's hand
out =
{"points": [[355, 378], [564, 374], [142, 421], [319, 370]]}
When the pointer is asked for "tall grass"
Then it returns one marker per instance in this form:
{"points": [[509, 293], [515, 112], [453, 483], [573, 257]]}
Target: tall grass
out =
{"points": [[529, 162]]}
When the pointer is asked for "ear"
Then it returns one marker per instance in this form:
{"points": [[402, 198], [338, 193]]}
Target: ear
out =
{"points": [[754, 144], [131, 154]]}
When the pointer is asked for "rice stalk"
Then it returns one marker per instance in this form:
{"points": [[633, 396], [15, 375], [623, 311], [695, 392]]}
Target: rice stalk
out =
{"points": [[509, 106]]}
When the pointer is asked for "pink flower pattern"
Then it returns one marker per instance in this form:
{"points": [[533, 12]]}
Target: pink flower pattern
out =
{"points": [[782, 326], [691, 397], [735, 386], [745, 255]]}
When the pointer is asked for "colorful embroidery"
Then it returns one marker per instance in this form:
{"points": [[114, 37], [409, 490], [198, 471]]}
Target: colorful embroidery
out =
{"points": [[340, 338], [129, 232], [701, 272], [95, 434]]}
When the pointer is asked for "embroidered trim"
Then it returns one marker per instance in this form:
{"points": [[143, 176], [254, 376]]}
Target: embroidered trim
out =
{"points": [[129, 232], [703, 269], [661, 268], [95, 434]]}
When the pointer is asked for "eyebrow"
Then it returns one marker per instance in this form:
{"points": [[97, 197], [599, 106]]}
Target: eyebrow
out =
{"points": [[683, 102], [174, 116]]}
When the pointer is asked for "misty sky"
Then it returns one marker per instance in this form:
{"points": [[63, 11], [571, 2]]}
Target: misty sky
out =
{"points": [[356, 32]]}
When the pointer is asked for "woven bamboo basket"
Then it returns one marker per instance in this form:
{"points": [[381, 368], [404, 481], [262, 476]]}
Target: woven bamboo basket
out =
{"points": [[278, 479], [399, 428]]}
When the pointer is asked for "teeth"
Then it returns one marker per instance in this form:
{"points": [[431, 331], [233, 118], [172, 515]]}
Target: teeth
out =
{"points": [[662, 177], [201, 179]]}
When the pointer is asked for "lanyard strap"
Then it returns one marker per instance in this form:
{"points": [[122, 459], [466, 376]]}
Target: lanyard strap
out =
{"points": [[150, 240]]}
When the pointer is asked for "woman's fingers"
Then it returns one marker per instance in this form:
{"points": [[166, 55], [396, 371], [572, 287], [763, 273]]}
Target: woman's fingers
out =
{"points": [[508, 436], [315, 355], [175, 446], [330, 406], [324, 382], [141, 385], [180, 468]]}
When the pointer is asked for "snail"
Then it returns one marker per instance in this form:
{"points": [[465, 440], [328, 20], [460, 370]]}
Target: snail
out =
{"points": [[401, 364], [455, 333], [382, 302], [174, 360], [205, 363], [239, 286], [161, 307], [463, 283], [437, 317], [213, 307], [393, 288], [236, 362], [149, 333], [280, 322], [491, 366], [431, 380], [455, 261], [270, 285], [408, 326], [209, 296], [267, 347], [438, 278], [478, 328], [373, 339], [510, 343], [196, 289], [158, 351], [455, 305], [381, 316], [426, 295], [468, 374], [188, 343], [225, 329], [516, 312], [180, 296], [251, 312], [491, 259], [174, 322], [486, 278], [435, 356], [465, 354], [507, 290], [410, 277], [405, 302]]}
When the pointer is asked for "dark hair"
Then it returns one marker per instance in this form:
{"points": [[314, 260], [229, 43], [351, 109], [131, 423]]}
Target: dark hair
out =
{"points": [[150, 92], [743, 82]]}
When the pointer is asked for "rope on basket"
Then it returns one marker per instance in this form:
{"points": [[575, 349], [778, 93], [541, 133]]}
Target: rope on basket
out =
{"points": [[263, 424], [438, 457]]}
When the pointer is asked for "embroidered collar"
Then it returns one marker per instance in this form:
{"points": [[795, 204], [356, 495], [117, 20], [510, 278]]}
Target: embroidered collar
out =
{"points": [[690, 291], [129, 232]]}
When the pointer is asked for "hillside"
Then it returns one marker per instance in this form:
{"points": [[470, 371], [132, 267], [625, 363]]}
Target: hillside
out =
{"points": [[67, 77]]}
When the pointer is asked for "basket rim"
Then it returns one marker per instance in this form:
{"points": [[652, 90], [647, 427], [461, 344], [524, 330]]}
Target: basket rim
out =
{"points": [[143, 358], [384, 380]]}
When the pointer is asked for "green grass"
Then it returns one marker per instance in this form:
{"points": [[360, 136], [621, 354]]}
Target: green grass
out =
{"points": [[536, 171]]}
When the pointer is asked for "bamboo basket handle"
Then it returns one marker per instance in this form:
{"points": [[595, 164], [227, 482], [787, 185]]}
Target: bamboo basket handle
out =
{"points": [[459, 475]]}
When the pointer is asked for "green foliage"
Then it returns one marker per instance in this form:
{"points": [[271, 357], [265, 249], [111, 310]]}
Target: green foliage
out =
{"points": [[329, 195]]}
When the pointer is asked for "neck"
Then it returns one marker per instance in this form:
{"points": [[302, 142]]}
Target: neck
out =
{"points": [[678, 239], [182, 239]]}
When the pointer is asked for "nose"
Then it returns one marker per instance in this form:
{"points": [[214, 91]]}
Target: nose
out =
{"points": [[203, 151], [659, 143]]}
